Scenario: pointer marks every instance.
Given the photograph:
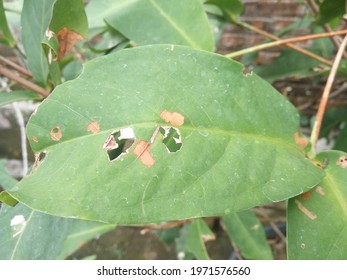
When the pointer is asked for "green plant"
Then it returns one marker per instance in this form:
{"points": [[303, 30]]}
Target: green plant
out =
{"points": [[163, 131]]}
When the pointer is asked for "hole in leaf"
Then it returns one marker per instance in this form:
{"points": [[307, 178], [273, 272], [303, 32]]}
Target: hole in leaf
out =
{"points": [[39, 159], [56, 133], [119, 143], [171, 138], [342, 161]]}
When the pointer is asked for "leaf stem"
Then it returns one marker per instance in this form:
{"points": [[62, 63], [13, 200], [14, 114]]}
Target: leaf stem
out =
{"points": [[15, 66], [292, 46], [325, 96], [284, 42], [25, 83]]}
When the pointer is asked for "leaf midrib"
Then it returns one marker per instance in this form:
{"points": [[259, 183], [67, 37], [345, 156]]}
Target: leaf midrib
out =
{"points": [[216, 131]]}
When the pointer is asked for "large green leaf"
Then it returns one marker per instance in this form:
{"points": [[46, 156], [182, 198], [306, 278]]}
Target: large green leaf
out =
{"points": [[317, 220], [35, 19], [155, 21], [248, 233], [330, 10], [238, 140]]}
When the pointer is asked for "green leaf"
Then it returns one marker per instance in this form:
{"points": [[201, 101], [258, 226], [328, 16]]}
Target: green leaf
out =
{"points": [[317, 220], [193, 238], [330, 10], [6, 36], [232, 9], [69, 14], [248, 233], [164, 21], [18, 95], [235, 154], [341, 140], [30, 235], [36, 16], [332, 118], [6, 180]]}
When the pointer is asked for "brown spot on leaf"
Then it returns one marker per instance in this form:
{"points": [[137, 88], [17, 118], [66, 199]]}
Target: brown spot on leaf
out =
{"points": [[304, 210], [206, 237], [56, 133], [342, 161], [306, 195], [35, 139], [301, 141], [320, 190], [93, 127], [142, 152], [174, 118], [67, 39]]}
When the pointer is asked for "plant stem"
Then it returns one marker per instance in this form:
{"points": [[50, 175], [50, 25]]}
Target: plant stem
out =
{"points": [[25, 83], [15, 66], [325, 95], [292, 46], [283, 42]]}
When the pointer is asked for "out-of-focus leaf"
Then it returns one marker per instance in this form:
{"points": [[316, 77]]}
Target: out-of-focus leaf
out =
{"points": [[341, 140], [332, 118], [234, 149], [6, 180], [164, 21], [30, 235], [330, 10], [18, 95], [246, 231], [317, 220], [192, 240], [35, 19], [232, 9], [5, 33], [72, 70]]}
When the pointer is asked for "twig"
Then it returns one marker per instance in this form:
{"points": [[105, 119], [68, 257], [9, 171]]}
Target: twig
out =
{"points": [[325, 96], [25, 83], [283, 42], [20, 121], [326, 27], [292, 46], [15, 66]]}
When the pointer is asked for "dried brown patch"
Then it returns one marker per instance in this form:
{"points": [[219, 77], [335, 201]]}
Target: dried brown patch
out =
{"points": [[174, 118], [304, 210], [206, 237], [306, 195], [67, 39], [342, 161], [320, 190], [56, 133], [93, 127], [142, 152], [301, 141], [35, 139]]}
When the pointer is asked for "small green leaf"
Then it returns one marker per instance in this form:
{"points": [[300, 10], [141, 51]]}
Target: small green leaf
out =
{"points": [[6, 36], [330, 10], [235, 154], [6, 198], [35, 19], [248, 233], [69, 14], [29, 235], [18, 95], [317, 220], [193, 238], [166, 21]]}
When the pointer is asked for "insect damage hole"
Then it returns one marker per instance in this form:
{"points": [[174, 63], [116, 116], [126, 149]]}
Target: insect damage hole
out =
{"points": [[119, 143], [171, 138]]}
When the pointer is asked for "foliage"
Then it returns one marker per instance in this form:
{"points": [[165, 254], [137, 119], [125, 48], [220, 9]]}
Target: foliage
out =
{"points": [[157, 128]]}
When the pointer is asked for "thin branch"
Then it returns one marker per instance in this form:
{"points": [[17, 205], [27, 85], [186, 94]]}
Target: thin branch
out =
{"points": [[15, 66], [283, 42], [325, 95], [292, 46], [25, 83]]}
